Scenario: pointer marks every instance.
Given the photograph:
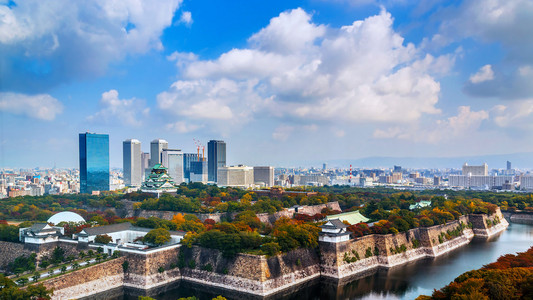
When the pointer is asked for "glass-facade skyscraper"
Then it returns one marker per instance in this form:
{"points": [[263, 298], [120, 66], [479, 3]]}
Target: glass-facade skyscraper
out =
{"points": [[216, 158], [188, 158], [94, 162]]}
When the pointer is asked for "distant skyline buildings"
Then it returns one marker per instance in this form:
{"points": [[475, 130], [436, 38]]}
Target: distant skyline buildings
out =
{"points": [[216, 158], [94, 162], [482, 170]]}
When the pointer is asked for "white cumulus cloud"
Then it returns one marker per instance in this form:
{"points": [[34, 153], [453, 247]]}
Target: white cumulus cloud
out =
{"points": [[485, 73], [41, 106], [459, 126], [61, 39], [186, 18], [294, 69], [128, 112]]}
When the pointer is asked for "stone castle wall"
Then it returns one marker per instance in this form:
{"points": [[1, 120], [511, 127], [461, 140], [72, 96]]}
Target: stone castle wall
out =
{"points": [[251, 273], [87, 281], [264, 276], [345, 259], [9, 251], [129, 212], [520, 217], [316, 209]]}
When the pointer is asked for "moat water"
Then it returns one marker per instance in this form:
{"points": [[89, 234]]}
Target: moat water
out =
{"points": [[402, 282]]}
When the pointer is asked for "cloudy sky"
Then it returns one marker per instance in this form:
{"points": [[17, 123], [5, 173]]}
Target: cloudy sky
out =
{"points": [[282, 82]]}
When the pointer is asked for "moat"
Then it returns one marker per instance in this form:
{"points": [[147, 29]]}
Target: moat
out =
{"points": [[401, 282]]}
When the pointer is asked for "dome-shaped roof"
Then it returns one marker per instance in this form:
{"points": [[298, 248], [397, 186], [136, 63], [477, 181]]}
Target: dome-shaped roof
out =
{"points": [[65, 216]]}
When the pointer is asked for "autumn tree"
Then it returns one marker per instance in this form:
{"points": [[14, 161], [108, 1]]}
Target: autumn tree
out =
{"points": [[103, 239], [157, 236]]}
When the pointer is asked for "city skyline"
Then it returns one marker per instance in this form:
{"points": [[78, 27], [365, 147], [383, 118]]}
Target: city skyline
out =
{"points": [[349, 80]]}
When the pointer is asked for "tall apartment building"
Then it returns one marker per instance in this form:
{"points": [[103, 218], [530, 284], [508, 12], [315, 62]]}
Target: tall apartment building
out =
{"points": [[482, 170], [156, 151], [94, 162], [216, 158], [264, 175], [236, 176], [131, 162], [173, 160], [314, 179], [397, 177], [478, 181], [526, 182], [458, 181]]}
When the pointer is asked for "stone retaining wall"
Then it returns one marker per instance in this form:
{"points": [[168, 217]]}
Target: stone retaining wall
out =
{"points": [[128, 212], [346, 259], [262, 276], [251, 273], [88, 281], [520, 217], [9, 251]]}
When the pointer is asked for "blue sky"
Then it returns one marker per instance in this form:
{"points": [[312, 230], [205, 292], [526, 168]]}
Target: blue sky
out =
{"points": [[285, 83]]}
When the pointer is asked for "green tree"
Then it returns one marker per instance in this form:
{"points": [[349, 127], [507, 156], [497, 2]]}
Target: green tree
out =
{"points": [[103, 239], [22, 281], [270, 249], [36, 276], [125, 266], [157, 236], [58, 255]]}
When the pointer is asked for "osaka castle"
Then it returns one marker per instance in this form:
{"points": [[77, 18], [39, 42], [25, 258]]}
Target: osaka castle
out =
{"points": [[158, 181]]}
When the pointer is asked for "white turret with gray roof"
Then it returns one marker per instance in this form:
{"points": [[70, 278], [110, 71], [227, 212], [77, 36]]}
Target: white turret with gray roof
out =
{"points": [[334, 231]]}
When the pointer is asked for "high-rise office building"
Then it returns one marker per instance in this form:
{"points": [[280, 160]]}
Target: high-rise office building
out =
{"points": [[156, 150], [145, 165], [198, 171], [173, 160], [236, 176], [94, 162], [264, 175], [216, 158], [131, 162], [188, 158], [509, 166]]}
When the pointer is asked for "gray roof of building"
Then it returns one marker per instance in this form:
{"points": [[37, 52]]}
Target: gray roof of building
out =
{"points": [[38, 227], [335, 223], [99, 230]]}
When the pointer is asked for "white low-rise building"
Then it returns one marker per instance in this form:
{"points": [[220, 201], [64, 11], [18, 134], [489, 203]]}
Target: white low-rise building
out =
{"points": [[122, 234], [40, 233], [333, 231]]}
